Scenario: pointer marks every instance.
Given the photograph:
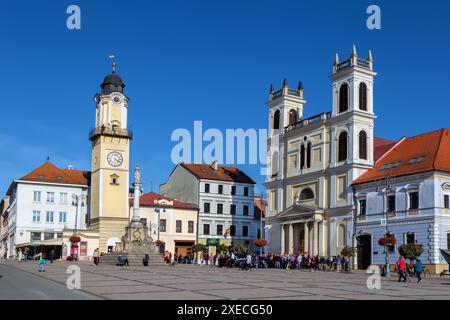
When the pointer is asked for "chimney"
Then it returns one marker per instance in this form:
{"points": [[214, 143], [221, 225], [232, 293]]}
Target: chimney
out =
{"points": [[70, 167], [214, 165]]}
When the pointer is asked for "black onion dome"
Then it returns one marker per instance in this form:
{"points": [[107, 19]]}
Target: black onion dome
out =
{"points": [[112, 83]]}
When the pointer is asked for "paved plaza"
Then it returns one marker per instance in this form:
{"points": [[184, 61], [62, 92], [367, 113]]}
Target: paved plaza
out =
{"points": [[189, 282]]}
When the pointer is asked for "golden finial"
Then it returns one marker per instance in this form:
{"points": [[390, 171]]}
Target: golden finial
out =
{"points": [[112, 57]]}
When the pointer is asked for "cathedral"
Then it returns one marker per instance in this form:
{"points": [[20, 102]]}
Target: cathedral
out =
{"points": [[314, 160]]}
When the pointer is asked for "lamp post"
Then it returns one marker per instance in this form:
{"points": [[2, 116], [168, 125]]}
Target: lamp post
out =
{"points": [[76, 200], [388, 183], [158, 211]]}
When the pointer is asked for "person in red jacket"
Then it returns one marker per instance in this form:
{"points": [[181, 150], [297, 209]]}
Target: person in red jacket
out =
{"points": [[401, 265]]}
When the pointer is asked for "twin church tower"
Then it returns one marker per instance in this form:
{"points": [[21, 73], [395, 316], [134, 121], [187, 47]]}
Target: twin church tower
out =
{"points": [[110, 163]]}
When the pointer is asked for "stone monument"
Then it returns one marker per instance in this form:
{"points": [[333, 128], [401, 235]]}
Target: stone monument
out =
{"points": [[136, 240]]}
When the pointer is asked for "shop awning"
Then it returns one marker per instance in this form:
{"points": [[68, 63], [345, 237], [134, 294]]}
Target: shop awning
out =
{"points": [[50, 242]]}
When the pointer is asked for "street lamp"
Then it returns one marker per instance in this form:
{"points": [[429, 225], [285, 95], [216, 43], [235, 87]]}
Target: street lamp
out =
{"points": [[77, 199], [158, 211], [388, 181]]}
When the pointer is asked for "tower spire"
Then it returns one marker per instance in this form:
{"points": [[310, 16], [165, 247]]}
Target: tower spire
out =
{"points": [[336, 59], [369, 57], [354, 51], [114, 64], [285, 83]]}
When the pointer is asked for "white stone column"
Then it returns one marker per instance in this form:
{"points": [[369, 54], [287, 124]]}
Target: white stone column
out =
{"points": [[306, 236], [321, 242], [282, 238], [291, 238], [315, 237]]}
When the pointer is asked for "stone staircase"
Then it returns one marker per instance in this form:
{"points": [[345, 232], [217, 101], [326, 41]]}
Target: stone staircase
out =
{"points": [[156, 259]]}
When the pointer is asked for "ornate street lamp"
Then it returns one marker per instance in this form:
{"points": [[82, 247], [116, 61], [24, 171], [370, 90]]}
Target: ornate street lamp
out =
{"points": [[388, 183], [158, 211], [76, 200]]}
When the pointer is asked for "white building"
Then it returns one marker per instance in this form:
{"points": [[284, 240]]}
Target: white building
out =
{"points": [[40, 208], [410, 187], [313, 161], [224, 196]]}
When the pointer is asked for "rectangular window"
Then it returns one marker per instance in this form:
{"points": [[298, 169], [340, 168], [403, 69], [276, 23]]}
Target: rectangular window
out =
{"points": [[63, 217], [448, 241], [49, 235], [258, 234], [49, 216], [206, 207], [35, 236], [36, 216], [233, 190], [178, 226], [206, 229], [391, 203], [206, 187], [162, 225], [219, 230], [446, 201], [36, 196], [59, 235], [220, 191], [362, 207], [63, 198], [219, 208], [272, 203], [233, 209], [410, 238], [232, 230], [391, 247], [50, 197], [245, 211], [414, 200], [190, 226], [245, 231], [246, 191]]}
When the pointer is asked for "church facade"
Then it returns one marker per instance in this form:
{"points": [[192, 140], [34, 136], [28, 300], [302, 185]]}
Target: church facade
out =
{"points": [[313, 161]]}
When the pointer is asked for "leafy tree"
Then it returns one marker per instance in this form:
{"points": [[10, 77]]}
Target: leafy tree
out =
{"points": [[411, 250], [222, 248], [348, 251], [199, 247]]}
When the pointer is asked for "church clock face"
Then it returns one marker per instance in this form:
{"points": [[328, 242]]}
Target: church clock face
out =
{"points": [[115, 159]]}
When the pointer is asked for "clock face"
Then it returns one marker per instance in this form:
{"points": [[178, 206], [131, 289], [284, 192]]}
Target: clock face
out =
{"points": [[115, 159], [116, 100]]}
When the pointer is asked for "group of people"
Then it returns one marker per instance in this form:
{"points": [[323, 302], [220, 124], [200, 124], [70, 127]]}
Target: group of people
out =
{"points": [[277, 261], [408, 270]]}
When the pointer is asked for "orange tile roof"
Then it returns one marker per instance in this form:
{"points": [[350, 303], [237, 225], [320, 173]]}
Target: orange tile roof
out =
{"points": [[48, 172], [205, 171], [148, 199], [381, 146], [425, 152]]}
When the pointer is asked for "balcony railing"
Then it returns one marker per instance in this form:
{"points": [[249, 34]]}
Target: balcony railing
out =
{"points": [[304, 122], [112, 132], [360, 62]]}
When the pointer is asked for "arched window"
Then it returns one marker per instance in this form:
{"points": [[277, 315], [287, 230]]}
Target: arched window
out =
{"points": [[363, 96], [302, 156], [276, 120], [341, 236], [343, 98], [363, 145], [308, 155], [306, 194], [292, 117], [342, 146]]}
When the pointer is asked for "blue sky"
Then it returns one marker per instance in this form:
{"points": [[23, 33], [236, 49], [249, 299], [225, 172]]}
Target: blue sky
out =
{"points": [[204, 60]]}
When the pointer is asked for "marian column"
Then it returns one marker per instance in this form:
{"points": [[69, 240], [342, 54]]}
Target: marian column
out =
{"points": [[136, 219]]}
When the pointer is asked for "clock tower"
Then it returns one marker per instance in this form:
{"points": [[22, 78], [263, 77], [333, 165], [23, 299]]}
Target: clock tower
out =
{"points": [[110, 139]]}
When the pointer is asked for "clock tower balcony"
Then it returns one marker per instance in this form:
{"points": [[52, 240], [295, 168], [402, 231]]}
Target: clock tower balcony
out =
{"points": [[114, 132]]}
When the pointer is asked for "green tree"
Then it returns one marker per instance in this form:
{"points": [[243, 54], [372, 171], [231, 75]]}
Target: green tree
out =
{"points": [[222, 248], [348, 251], [411, 250], [199, 247]]}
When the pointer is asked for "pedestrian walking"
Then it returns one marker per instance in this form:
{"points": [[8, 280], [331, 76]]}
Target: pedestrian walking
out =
{"points": [[299, 262], [52, 256], [146, 259], [419, 268], [401, 265]]}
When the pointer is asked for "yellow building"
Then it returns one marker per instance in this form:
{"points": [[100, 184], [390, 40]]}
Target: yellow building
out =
{"points": [[110, 163], [177, 222]]}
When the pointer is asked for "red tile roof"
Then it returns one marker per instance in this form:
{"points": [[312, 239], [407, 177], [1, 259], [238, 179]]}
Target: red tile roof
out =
{"points": [[148, 200], [205, 171], [381, 146], [48, 172], [425, 152]]}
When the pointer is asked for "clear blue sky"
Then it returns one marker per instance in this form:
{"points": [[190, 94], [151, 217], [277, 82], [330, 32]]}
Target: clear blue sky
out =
{"points": [[204, 60]]}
